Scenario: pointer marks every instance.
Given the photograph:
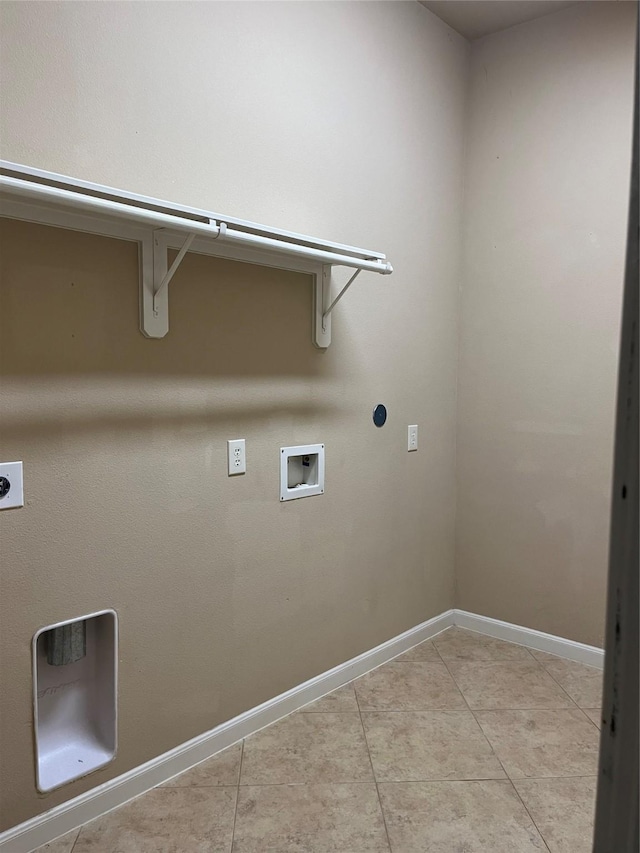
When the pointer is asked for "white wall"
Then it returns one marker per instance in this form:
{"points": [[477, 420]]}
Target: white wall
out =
{"points": [[546, 199], [342, 120]]}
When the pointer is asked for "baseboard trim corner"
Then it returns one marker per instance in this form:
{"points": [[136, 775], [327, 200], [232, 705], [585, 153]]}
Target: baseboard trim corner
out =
{"points": [[49, 825], [529, 637]]}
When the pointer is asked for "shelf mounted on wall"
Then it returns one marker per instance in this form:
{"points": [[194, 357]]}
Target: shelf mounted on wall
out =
{"points": [[158, 226]]}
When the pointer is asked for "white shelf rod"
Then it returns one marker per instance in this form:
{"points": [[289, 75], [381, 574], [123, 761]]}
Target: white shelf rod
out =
{"points": [[177, 221], [158, 226], [17, 170]]}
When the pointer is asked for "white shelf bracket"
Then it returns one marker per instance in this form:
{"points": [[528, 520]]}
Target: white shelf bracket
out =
{"points": [[321, 326], [154, 320], [323, 306], [154, 300]]}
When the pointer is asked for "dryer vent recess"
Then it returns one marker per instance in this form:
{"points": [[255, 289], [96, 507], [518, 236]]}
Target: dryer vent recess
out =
{"points": [[301, 471], [75, 675]]}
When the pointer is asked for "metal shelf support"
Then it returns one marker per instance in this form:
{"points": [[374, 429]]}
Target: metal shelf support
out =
{"points": [[171, 271]]}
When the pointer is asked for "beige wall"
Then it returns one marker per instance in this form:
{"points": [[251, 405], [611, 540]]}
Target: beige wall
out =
{"points": [[347, 121], [340, 120], [546, 197]]}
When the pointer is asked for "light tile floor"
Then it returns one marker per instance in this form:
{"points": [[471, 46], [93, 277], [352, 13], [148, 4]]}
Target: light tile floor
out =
{"points": [[463, 743]]}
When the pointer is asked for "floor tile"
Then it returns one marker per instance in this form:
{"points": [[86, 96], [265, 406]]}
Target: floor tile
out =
{"points": [[442, 817], [510, 685], [307, 785], [583, 683], [60, 845], [457, 644], [408, 687], [307, 748], [222, 769], [305, 818], [165, 820], [542, 743], [425, 652], [342, 700], [563, 810], [421, 745], [594, 714]]}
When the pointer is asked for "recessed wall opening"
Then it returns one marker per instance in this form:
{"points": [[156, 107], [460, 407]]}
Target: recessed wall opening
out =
{"points": [[74, 694], [301, 471]]}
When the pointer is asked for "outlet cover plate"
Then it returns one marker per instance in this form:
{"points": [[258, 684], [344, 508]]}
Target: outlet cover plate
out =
{"points": [[11, 485], [412, 437], [236, 457]]}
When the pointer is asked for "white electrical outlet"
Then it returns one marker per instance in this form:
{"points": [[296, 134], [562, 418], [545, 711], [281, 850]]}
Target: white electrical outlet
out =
{"points": [[11, 493], [236, 457], [412, 437]]}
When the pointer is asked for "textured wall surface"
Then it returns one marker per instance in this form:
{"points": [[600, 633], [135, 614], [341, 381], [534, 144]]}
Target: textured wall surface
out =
{"points": [[546, 201], [345, 121]]}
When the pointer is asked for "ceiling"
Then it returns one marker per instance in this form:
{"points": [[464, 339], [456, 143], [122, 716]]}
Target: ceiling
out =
{"points": [[476, 18]]}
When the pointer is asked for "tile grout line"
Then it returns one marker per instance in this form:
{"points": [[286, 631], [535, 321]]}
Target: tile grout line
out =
{"points": [[538, 663], [73, 846], [373, 772], [235, 813], [452, 710], [593, 722], [551, 675], [494, 753], [546, 778], [398, 781], [304, 784], [481, 660]]}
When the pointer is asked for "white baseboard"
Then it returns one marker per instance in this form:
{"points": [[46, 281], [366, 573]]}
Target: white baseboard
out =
{"points": [[48, 826], [530, 638]]}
